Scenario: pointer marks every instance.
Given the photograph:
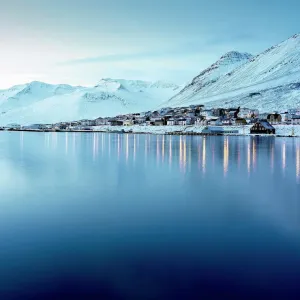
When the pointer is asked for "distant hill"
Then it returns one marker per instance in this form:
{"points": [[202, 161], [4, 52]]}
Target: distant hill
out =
{"points": [[38, 102]]}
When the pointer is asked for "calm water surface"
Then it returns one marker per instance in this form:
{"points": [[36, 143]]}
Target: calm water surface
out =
{"points": [[117, 216]]}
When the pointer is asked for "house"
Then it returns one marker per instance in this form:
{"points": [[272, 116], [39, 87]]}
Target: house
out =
{"points": [[171, 122], [207, 113], [100, 122], [262, 127], [240, 121], [294, 111], [226, 121], [35, 127], [182, 122], [285, 117], [128, 122], [219, 112], [247, 113], [296, 120], [274, 118], [115, 123], [158, 122], [13, 126], [87, 122]]}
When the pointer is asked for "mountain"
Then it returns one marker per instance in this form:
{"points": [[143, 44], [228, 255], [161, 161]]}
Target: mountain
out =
{"points": [[268, 81], [39, 102]]}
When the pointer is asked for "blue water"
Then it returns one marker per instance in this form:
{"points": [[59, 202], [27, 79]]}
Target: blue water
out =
{"points": [[117, 216]]}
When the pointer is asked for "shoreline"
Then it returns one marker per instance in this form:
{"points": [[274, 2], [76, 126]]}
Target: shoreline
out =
{"points": [[281, 130]]}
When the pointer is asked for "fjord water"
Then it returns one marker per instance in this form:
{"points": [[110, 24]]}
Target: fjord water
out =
{"points": [[118, 216]]}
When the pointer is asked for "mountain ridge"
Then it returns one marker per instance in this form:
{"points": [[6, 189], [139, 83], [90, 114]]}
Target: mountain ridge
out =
{"points": [[278, 65]]}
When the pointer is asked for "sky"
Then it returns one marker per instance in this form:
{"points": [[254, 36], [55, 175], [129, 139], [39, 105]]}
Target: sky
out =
{"points": [[81, 41]]}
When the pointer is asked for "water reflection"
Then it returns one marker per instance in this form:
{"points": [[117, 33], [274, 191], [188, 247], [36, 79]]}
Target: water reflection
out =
{"points": [[226, 155], [170, 150], [204, 155], [283, 157], [249, 157], [204, 213]]}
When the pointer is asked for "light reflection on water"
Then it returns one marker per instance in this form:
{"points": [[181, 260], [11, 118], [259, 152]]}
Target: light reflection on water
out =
{"points": [[154, 212]]}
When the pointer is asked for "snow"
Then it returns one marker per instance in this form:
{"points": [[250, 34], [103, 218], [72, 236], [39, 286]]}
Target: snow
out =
{"points": [[38, 102], [271, 72]]}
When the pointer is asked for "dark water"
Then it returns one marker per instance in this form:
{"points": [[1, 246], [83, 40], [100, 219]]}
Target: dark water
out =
{"points": [[107, 216]]}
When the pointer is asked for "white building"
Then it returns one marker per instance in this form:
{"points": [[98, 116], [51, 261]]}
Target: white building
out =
{"points": [[296, 120], [127, 122], [171, 122], [247, 113]]}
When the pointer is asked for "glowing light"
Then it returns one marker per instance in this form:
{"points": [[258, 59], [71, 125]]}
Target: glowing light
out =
{"points": [[249, 158], [170, 150], [95, 145], [180, 152], [204, 155], [226, 155], [102, 143], [254, 153]]}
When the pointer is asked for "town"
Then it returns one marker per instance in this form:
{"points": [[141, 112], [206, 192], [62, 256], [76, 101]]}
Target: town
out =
{"points": [[215, 120]]}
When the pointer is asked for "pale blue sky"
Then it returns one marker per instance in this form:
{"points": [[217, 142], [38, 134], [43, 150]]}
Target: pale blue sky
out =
{"points": [[79, 42]]}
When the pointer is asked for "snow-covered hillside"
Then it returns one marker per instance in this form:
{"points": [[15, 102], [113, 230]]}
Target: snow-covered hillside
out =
{"points": [[267, 81], [39, 102]]}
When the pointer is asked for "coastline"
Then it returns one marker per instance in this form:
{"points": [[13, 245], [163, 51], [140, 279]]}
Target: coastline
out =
{"points": [[281, 130]]}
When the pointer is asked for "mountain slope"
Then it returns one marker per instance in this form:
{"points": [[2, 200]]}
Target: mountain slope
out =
{"points": [[39, 102], [279, 66]]}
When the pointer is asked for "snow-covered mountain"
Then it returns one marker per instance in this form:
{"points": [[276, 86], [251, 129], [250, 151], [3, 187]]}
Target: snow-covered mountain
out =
{"points": [[38, 102], [268, 81]]}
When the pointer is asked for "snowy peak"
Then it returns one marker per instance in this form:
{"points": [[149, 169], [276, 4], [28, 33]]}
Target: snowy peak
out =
{"points": [[226, 64], [113, 85], [235, 56]]}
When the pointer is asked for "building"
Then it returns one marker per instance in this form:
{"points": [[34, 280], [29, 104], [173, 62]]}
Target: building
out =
{"points": [[116, 123], [274, 118], [294, 111], [182, 122], [128, 122], [295, 120], [13, 126], [262, 127], [247, 113], [240, 121], [87, 122], [171, 122]]}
